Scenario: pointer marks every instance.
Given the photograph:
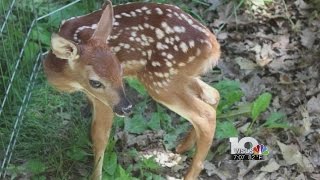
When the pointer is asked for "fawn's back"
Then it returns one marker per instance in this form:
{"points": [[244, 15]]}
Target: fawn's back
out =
{"points": [[156, 42]]}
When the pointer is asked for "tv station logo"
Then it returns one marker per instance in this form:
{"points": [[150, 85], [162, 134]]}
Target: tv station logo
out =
{"points": [[239, 150]]}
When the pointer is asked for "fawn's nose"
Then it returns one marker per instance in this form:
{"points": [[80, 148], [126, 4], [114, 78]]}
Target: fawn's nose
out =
{"points": [[124, 107], [127, 109]]}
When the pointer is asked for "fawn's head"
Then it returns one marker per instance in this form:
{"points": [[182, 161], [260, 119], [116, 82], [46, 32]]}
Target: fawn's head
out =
{"points": [[95, 69]]}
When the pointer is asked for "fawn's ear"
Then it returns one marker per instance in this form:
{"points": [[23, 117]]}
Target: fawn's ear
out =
{"points": [[105, 24], [64, 48]]}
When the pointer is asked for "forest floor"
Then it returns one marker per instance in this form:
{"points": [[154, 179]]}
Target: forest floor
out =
{"points": [[270, 47]]}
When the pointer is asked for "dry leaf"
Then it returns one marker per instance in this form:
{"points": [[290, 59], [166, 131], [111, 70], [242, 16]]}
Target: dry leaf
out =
{"points": [[222, 36], [313, 105], [245, 63], [290, 153], [165, 159], [271, 166], [281, 42], [292, 156], [300, 177], [307, 38], [306, 120], [172, 178], [259, 3], [209, 168], [301, 5], [265, 55]]}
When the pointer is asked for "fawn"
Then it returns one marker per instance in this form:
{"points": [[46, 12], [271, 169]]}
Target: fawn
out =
{"points": [[162, 46]]}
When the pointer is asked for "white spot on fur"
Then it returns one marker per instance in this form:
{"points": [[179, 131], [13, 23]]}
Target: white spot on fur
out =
{"points": [[155, 63], [161, 46], [134, 34], [146, 25], [159, 33], [181, 64], [183, 47], [138, 10], [138, 39], [191, 58], [159, 11], [169, 15], [179, 29], [173, 71], [177, 38], [169, 64], [175, 47], [133, 14], [167, 28], [169, 56], [116, 49], [125, 14], [191, 43], [149, 53], [126, 46]]}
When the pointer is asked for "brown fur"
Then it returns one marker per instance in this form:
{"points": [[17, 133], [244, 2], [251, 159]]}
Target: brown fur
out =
{"points": [[168, 64]]}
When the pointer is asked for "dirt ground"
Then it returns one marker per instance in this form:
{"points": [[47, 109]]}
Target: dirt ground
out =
{"points": [[275, 48]]}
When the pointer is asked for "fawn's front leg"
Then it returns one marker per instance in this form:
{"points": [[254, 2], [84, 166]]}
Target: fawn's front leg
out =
{"points": [[100, 130]]}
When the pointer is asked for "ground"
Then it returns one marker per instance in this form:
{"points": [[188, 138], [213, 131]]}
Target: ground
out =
{"points": [[271, 47]]}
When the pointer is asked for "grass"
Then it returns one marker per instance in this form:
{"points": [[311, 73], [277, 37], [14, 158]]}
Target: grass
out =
{"points": [[54, 137]]}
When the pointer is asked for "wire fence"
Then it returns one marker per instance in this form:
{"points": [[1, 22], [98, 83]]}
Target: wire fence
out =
{"points": [[25, 30]]}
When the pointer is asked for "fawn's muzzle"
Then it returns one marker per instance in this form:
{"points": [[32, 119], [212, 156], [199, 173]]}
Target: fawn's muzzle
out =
{"points": [[124, 107]]}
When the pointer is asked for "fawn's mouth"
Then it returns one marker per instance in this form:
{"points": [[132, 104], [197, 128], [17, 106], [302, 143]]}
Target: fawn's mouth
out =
{"points": [[122, 111]]}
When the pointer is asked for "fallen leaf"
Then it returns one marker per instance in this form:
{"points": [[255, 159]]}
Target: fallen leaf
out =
{"points": [[211, 170], [281, 42], [315, 176], [245, 63], [305, 119], [292, 156], [271, 166], [163, 158], [259, 3], [313, 105], [222, 36], [307, 38], [172, 178], [301, 4], [300, 177], [290, 153], [265, 56]]}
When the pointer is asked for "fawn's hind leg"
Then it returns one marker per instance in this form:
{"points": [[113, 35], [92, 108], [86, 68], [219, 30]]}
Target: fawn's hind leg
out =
{"points": [[209, 95], [200, 114]]}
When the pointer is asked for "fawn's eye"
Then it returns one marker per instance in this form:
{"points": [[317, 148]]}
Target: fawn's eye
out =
{"points": [[95, 84]]}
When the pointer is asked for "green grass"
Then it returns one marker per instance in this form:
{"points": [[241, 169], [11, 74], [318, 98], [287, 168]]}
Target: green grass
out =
{"points": [[54, 137]]}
